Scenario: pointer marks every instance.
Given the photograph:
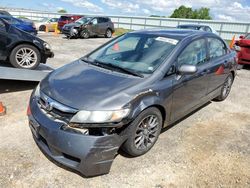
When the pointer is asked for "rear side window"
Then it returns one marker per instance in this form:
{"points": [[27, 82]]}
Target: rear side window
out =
{"points": [[216, 48], [194, 53], [103, 20], [64, 18]]}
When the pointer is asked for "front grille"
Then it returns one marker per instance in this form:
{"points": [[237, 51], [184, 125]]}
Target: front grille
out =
{"points": [[55, 110]]}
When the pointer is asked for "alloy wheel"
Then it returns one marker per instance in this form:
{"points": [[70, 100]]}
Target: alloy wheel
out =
{"points": [[146, 133], [227, 86], [26, 57]]}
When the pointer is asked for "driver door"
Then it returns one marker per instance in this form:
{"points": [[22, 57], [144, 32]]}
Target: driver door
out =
{"points": [[190, 90]]}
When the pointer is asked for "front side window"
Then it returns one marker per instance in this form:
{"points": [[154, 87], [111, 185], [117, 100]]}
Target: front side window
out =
{"points": [[194, 53], [216, 48], [83, 20], [94, 21], [141, 53]]}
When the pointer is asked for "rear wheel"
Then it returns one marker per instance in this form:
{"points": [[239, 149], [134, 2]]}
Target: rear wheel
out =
{"points": [[143, 132], [25, 56], [226, 88], [108, 33]]}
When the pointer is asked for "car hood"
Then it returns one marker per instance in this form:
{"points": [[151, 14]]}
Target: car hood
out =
{"points": [[87, 87]]}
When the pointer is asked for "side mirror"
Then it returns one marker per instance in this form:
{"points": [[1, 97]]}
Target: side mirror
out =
{"points": [[241, 37], [90, 23], [187, 69]]}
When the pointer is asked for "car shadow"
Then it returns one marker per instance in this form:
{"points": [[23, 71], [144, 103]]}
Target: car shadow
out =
{"points": [[246, 67], [9, 86]]}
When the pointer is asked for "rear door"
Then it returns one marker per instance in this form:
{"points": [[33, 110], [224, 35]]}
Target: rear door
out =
{"points": [[3, 40], [103, 25], [221, 63], [190, 90]]}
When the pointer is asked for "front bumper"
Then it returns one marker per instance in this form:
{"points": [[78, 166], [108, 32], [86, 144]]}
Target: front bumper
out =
{"points": [[89, 155], [45, 55]]}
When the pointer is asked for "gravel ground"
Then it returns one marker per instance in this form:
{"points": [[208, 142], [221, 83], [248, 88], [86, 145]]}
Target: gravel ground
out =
{"points": [[210, 148]]}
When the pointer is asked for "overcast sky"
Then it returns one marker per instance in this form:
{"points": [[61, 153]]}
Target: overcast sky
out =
{"points": [[220, 9]]}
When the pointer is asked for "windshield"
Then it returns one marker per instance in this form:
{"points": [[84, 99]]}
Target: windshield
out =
{"points": [[83, 20], [140, 53]]}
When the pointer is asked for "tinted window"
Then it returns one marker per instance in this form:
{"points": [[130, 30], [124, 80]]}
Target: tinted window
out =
{"points": [[2, 26], [216, 48], [64, 18], [194, 53], [103, 20]]}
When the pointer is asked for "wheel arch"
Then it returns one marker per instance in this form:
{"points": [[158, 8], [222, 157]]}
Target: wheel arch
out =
{"points": [[22, 43]]}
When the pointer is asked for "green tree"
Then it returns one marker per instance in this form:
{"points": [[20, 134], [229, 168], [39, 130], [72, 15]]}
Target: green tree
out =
{"points": [[189, 13], [62, 11]]}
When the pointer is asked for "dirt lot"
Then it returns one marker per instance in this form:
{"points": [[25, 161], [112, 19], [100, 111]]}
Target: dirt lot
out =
{"points": [[210, 148]]}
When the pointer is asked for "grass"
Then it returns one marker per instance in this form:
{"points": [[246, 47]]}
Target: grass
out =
{"points": [[120, 31]]}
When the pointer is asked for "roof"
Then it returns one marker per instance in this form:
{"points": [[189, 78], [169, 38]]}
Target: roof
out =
{"points": [[172, 33]]}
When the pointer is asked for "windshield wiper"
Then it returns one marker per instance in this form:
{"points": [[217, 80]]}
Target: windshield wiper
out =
{"points": [[116, 67], [112, 66]]}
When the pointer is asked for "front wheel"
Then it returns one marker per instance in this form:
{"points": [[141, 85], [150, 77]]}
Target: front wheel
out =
{"points": [[143, 132], [25, 56], [84, 34], [226, 88]]}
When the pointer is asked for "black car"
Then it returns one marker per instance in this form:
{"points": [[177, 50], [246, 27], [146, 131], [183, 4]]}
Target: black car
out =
{"points": [[22, 49], [122, 94], [89, 26]]}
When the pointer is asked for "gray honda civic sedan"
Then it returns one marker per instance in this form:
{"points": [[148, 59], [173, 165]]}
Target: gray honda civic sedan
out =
{"points": [[122, 94]]}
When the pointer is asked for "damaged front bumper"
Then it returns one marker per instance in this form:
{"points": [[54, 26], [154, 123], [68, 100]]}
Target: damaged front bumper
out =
{"points": [[88, 154]]}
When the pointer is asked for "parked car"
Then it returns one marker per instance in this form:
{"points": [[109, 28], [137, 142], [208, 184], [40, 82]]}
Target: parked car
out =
{"points": [[67, 19], [5, 13], [23, 25], [122, 94], [197, 27], [46, 22], [243, 48], [89, 26], [20, 48]]}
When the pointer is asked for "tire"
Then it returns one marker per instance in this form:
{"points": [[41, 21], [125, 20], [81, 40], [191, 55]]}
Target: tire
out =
{"points": [[84, 34], [42, 28], [226, 88], [139, 132], [108, 33], [25, 56]]}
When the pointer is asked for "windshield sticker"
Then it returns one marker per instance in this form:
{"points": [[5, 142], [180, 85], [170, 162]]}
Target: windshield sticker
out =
{"points": [[168, 40]]}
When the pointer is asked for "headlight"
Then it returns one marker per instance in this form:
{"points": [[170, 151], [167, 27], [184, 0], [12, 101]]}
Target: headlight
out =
{"points": [[99, 116], [47, 46]]}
